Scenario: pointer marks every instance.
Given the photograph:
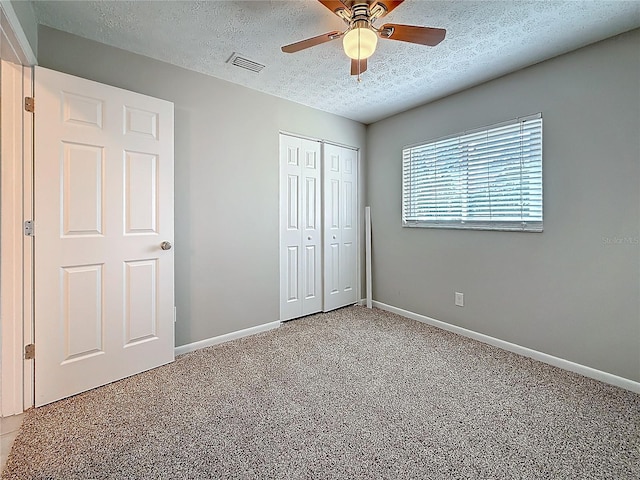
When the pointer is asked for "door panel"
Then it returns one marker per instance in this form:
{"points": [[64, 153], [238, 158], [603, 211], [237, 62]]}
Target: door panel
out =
{"points": [[81, 110], [334, 268], [300, 228], [311, 290], [348, 252], [140, 190], [311, 207], [340, 234], [83, 304], [82, 203], [312, 230], [104, 289], [292, 274], [140, 301]]}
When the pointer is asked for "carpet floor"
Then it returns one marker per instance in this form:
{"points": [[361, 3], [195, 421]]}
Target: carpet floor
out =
{"points": [[352, 394]]}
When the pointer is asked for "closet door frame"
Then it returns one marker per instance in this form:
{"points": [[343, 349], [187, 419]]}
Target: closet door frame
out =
{"points": [[284, 313]]}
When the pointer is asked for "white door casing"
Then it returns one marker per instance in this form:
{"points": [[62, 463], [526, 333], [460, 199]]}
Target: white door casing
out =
{"points": [[11, 239], [104, 289], [340, 240], [300, 227]]}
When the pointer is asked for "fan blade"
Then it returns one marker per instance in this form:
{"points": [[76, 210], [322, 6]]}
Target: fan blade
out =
{"points": [[388, 5], [413, 34], [334, 5], [311, 42], [357, 69]]}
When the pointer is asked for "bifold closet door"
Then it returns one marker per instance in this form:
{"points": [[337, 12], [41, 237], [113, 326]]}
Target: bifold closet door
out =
{"points": [[340, 226], [300, 227]]}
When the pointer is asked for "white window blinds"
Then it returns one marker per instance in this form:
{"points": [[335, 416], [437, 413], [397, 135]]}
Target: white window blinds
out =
{"points": [[489, 179]]}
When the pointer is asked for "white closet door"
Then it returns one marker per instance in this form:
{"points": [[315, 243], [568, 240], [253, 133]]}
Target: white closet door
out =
{"points": [[340, 227], [300, 228]]}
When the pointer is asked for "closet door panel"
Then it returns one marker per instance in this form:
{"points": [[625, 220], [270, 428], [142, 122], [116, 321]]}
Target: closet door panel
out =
{"points": [[340, 221], [300, 227]]}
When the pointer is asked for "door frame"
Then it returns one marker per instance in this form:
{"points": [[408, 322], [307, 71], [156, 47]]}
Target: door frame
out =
{"points": [[28, 257], [16, 302], [359, 217]]}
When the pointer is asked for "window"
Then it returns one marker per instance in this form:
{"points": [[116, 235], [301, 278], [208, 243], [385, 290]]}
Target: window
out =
{"points": [[487, 179]]}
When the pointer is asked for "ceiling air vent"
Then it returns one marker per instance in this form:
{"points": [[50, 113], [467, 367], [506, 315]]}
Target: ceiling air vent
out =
{"points": [[242, 62]]}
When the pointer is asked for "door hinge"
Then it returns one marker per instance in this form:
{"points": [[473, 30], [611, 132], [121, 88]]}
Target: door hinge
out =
{"points": [[29, 351], [28, 228], [29, 104]]}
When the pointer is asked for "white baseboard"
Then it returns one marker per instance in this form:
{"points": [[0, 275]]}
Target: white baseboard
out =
{"points": [[192, 347], [512, 347]]}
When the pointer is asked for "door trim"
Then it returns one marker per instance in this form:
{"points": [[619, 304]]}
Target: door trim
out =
{"points": [[28, 266], [11, 239], [17, 293], [15, 34], [321, 140]]}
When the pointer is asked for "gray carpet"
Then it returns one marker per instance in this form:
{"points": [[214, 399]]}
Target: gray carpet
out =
{"points": [[355, 393]]}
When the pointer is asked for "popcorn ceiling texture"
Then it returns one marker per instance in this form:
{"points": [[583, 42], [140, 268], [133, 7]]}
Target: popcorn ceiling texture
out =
{"points": [[485, 39], [352, 394]]}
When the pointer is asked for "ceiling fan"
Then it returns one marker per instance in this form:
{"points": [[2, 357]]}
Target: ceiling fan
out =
{"points": [[361, 36]]}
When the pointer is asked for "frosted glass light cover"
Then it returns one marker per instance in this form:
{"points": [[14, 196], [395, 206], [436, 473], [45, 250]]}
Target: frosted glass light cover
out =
{"points": [[360, 43]]}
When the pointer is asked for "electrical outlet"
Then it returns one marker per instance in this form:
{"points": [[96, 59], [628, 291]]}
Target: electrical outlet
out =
{"points": [[460, 299]]}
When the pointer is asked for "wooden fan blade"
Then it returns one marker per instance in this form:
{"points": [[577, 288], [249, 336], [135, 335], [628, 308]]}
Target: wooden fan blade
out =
{"points": [[311, 42], [389, 5], [412, 34], [334, 5], [355, 69]]}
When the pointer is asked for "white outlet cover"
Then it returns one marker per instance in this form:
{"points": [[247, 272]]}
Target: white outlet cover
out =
{"points": [[460, 299]]}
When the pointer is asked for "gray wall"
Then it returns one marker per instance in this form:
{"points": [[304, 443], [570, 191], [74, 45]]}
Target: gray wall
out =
{"points": [[571, 291], [226, 179]]}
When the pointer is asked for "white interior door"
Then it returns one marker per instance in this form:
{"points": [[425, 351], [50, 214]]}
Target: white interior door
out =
{"points": [[340, 226], [104, 288], [300, 227]]}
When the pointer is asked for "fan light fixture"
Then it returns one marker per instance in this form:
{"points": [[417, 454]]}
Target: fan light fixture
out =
{"points": [[360, 38], [359, 43]]}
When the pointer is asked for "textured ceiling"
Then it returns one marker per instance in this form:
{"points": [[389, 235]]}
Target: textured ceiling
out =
{"points": [[485, 39]]}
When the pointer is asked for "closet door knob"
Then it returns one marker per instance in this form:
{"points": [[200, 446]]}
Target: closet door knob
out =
{"points": [[165, 245]]}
